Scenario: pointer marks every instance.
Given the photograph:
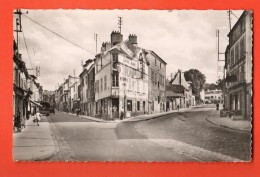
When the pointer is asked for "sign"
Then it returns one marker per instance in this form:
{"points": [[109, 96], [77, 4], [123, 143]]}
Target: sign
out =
{"points": [[232, 78]]}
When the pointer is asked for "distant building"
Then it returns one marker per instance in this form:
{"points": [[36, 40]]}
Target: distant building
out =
{"points": [[179, 92], [213, 96], [87, 80], [238, 67]]}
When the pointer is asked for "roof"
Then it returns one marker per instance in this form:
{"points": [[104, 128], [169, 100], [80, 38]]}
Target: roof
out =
{"points": [[157, 56], [175, 88], [239, 19], [179, 79], [173, 94]]}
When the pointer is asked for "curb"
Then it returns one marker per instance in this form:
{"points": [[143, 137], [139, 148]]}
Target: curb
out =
{"points": [[139, 120], [224, 126]]}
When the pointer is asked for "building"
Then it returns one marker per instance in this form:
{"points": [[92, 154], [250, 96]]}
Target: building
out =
{"points": [[213, 96], [156, 86], [87, 80], [238, 68], [121, 78], [179, 92], [21, 91]]}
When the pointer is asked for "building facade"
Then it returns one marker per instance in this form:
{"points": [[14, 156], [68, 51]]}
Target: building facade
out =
{"points": [[157, 77], [179, 92], [121, 78], [213, 96], [238, 66]]}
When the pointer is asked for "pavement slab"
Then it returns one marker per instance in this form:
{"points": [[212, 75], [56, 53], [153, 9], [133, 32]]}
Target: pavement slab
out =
{"points": [[34, 142]]}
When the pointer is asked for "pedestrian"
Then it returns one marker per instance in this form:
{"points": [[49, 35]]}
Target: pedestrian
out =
{"points": [[37, 117], [217, 106], [17, 121], [122, 114], [178, 107], [77, 111]]}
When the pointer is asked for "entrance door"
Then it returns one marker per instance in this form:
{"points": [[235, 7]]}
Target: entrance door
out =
{"points": [[115, 107], [144, 106]]}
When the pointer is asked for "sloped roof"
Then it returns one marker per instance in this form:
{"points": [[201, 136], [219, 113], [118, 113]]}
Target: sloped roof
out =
{"points": [[179, 79], [175, 88]]}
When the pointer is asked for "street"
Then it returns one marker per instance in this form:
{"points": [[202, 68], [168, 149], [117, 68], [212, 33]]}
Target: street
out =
{"points": [[180, 136]]}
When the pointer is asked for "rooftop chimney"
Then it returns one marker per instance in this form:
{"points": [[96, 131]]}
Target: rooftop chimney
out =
{"points": [[132, 39], [116, 38]]}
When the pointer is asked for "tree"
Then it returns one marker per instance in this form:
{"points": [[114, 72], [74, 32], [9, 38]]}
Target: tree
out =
{"points": [[220, 84], [197, 80]]}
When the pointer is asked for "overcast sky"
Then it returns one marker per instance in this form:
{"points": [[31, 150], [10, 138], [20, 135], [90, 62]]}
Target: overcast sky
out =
{"points": [[184, 39]]}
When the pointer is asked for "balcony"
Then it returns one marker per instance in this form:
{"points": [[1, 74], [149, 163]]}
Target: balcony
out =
{"points": [[115, 92]]}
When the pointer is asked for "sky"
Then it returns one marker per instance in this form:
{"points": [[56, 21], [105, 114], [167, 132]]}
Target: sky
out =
{"points": [[184, 39]]}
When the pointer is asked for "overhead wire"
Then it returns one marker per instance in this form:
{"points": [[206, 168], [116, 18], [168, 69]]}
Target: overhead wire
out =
{"points": [[27, 49], [58, 34]]}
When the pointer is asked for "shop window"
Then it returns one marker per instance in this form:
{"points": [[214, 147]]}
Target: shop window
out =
{"points": [[138, 105], [129, 105]]}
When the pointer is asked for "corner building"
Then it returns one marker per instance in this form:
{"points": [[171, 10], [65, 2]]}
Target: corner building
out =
{"points": [[121, 78]]}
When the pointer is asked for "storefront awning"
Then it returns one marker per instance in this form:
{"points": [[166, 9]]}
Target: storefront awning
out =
{"points": [[35, 103]]}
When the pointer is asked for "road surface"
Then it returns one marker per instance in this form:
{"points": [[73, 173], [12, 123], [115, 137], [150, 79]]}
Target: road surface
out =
{"points": [[181, 136]]}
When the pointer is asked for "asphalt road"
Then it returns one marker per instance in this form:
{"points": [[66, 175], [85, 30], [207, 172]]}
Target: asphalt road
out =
{"points": [[183, 136]]}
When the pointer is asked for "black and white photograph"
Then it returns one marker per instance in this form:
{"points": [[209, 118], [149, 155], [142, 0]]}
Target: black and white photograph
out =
{"points": [[132, 85]]}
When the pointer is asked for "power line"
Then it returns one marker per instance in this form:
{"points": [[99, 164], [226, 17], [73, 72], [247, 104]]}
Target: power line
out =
{"points": [[234, 14], [58, 35], [27, 50]]}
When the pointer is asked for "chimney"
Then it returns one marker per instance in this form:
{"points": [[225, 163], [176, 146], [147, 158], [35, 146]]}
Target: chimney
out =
{"points": [[105, 46], [116, 38], [132, 39]]}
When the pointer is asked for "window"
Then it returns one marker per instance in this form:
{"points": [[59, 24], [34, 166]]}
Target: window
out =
{"points": [[138, 105], [152, 75], [97, 86], [115, 57], [160, 65], [101, 84], [242, 48], [86, 80], [237, 52], [155, 62], [232, 56], [115, 80], [129, 105], [105, 82]]}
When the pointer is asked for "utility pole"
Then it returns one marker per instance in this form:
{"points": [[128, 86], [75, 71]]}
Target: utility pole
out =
{"points": [[95, 38], [229, 19], [120, 23], [18, 24], [217, 34]]}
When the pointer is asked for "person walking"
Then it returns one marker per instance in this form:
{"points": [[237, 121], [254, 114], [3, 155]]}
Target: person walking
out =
{"points": [[178, 107], [122, 114], [37, 117], [17, 121]]}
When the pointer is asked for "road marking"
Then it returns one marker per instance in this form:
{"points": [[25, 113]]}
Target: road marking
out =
{"points": [[194, 152]]}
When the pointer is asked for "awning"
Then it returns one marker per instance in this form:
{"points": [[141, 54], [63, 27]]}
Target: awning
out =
{"points": [[35, 103]]}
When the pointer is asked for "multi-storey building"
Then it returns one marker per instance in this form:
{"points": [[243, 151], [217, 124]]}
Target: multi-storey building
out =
{"points": [[87, 79], [121, 78], [238, 66], [157, 76], [213, 96]]}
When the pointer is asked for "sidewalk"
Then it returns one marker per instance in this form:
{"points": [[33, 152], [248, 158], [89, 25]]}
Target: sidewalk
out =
{"points": [[34, 142], [227, 122], [131, 119]]}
